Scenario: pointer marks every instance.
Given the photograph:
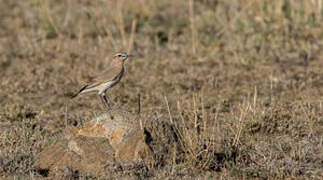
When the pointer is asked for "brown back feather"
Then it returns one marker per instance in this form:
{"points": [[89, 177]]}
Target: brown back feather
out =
{"points": [[112, 71]]}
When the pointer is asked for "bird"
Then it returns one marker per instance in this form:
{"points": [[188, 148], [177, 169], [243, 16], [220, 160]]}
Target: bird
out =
{"points": [[108, 79]]}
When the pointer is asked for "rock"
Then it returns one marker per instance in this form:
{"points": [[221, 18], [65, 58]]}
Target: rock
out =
{"points": [[114, 126], [133, 147], [80, 153], [112, 137]]}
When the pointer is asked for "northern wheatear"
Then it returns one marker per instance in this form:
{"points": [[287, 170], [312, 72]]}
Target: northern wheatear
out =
{"points": [[106, 80]]}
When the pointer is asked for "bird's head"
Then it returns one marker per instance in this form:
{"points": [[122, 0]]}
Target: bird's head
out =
{"points": [[122, 56]]}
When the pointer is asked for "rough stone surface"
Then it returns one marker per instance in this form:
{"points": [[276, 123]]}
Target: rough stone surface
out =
{"points": [[80, 153], [134, 147], [114, 125], [109, 138]]}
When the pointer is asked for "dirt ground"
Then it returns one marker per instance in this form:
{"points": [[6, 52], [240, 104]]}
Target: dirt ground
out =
{"points": [[243, 81]]}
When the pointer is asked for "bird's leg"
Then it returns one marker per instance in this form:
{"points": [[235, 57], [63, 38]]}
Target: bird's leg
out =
{"points": [[104, 101], [107, 98]]}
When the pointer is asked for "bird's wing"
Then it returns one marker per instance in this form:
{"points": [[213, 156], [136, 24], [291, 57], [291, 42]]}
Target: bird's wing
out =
{"points": [[106, 76]]}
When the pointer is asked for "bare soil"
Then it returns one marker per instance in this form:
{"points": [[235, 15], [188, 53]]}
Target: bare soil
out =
{"points": [[230, 89]]}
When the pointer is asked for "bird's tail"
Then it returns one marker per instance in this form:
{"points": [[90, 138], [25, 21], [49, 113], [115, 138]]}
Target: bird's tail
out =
{"points": [[76, 94]]}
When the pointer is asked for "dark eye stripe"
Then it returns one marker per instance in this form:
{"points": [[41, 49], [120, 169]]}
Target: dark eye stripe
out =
{"points": [[122, 55]]}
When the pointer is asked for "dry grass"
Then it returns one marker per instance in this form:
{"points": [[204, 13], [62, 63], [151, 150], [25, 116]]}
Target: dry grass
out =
{"points": [[237, 84]]}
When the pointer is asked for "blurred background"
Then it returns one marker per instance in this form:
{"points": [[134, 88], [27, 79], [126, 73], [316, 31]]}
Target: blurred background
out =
{"points": [[251, 69]]}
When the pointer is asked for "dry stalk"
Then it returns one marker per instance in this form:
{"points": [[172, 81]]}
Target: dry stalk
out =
{"points": [[255, 100], [195, 111], [186, 136], [132, 35], [47, 14], [308, 119], [237, 136], [193, 30], [139, 112], [168, 109], [204, 116], [121, 23], [81, 32]]}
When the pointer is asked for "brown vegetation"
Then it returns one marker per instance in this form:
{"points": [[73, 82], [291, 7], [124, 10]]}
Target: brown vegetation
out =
{"points": [[229, 89]]}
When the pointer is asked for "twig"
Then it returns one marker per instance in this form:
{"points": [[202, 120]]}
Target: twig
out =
{"points": [[121, 23], [193, 31], [170, 115], [132, 35], [139, 111]]}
